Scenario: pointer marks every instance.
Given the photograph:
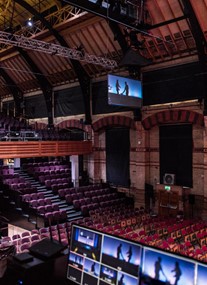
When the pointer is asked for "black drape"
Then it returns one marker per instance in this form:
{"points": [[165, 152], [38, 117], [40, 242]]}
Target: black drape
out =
{"points": [[176, 153], [117, 156]]}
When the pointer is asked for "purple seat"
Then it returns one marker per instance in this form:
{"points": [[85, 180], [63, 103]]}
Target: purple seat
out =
{"points": [[34, 238], [48, 208], [24, 247], [87, 200], [41, 210], [47, 201], [56, 215], [41, 202], [25, 240], [48, 183], [69, 198], [76, 204], [25, 234], [63, 215], [85, 210], [55, 207], [40, 195], [61, 193], [26, 197], [95, 199], [34, 196], [87, 194], [33, 204], [49, 217]]}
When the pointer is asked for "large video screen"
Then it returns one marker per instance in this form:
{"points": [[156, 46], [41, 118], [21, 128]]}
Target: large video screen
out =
{"points": [[97, 258], [124, 91], [163, 268]]}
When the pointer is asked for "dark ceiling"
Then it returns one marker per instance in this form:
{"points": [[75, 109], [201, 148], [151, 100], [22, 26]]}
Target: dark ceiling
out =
{"points": [[168, 32]]}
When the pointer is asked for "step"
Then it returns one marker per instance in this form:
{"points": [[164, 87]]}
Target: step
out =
{"points": [[69, 212], [43, 190], [72, 218], [41, 187], [55, 201], [63, 207], [75, 214]]}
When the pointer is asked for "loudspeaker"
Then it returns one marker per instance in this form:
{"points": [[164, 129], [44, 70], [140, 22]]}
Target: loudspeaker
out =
{"points": [[169, 179], [191, 199]]}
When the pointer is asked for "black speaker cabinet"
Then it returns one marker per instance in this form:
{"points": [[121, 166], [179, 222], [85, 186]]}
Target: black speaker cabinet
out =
{"points": [[169, 178], [191, 199]]}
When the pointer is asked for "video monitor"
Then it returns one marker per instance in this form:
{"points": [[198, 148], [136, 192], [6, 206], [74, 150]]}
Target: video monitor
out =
{"points": [[201, 274], [164, 268], [99, 259], [86, 242], [122, 255], [124, 91]]}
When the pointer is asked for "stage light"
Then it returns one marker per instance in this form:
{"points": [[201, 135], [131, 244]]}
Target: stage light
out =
{"points": [[30, 22]]}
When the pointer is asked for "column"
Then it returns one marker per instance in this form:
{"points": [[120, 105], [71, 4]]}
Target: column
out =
{"points": [[17, 163], [75, 170]]}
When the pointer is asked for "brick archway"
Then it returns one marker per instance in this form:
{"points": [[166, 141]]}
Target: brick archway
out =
{"points": [[71, 124], [113, 121], [173, 116], [39, 126]]}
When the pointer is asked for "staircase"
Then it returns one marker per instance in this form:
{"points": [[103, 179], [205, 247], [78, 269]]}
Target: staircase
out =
{"points": [[72, 214]]}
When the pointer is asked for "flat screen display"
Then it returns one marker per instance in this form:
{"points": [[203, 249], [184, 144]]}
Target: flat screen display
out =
{"points": [[97, 258], [163, 268], [201, 274], [124, 91]]}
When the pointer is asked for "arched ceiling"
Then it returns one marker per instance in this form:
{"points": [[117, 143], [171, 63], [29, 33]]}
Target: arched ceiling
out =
{"points": [[177, 34]]}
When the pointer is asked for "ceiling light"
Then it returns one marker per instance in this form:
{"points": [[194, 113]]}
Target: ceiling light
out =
{"points": [[30, 22]]}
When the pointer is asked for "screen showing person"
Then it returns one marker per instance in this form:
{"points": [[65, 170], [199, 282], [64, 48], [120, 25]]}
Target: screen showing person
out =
{"points": [[121, 254], [91, 267], [201, 274], [124, 91], [167, 268], [124, 279], [86, 242], [91, 272], [75, 267]]}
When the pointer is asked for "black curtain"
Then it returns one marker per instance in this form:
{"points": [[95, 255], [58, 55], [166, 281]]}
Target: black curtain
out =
{"points": [[117, 156], [176, 153]]}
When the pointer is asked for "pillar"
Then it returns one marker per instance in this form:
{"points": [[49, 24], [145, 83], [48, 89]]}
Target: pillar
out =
{"points": [[75, 170], [17, 163]]}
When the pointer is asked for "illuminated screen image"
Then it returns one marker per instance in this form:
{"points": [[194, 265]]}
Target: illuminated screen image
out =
{"points": [[123, 279], [86, 242], [201, 275], [122, 255], [124, 91], [160, 268], [91, 267], [91, 272], [76, 260], [108, 274], [75, 267]]}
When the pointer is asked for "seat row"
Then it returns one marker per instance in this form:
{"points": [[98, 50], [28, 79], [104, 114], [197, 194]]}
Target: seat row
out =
{"points": [[86, 208], [61, 181], [99, 196], [83, 189], [43, 178]]}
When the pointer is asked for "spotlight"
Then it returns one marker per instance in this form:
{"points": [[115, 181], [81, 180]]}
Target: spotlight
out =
{"points": [[30, 22]]}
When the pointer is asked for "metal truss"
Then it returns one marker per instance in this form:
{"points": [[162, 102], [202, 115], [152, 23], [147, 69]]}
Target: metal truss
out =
{"points": [[62, 15], [54, 49]]}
